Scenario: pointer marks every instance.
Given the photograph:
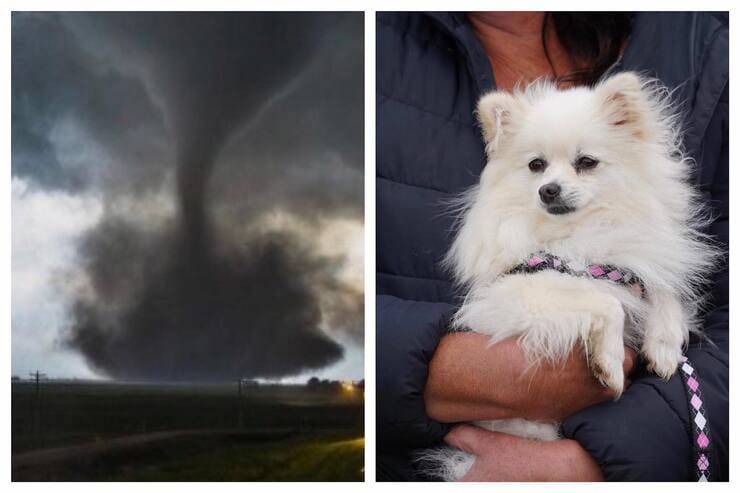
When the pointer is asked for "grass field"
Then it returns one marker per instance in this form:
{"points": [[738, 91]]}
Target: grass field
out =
{"points": [[145, 432], [303, 458]]}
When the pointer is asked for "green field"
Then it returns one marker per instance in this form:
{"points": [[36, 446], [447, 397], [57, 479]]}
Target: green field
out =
{"points": [[149, 432]]}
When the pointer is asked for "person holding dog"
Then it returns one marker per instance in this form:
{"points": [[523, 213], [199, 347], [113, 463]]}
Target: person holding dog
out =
{"points": [[431, 70]]}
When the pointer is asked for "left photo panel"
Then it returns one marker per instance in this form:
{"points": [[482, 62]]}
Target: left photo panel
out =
{"points": [[187, 246]]}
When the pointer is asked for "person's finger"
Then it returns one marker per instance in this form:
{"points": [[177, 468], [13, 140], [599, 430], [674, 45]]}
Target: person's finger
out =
{"points": [[470, 439]]}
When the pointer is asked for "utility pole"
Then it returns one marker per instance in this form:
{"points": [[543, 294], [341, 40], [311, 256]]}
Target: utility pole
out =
{"points": [[241, 406], [37, 376]]}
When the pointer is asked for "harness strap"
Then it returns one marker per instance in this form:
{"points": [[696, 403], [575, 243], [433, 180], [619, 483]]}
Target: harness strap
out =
{"points": [[545, 261], [700, 436]]}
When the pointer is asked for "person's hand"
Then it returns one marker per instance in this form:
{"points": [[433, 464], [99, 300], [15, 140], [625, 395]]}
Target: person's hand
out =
{"points": [[580, 388], [470, 380], [501, 457]]}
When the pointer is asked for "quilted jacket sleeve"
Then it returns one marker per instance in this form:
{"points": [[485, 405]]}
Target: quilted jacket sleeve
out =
{"points": [[646, 435], [407, 335]]}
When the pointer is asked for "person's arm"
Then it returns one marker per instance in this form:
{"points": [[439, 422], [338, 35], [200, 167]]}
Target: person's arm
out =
{"points": [[469, 380], [408, 335], [501, 457]]}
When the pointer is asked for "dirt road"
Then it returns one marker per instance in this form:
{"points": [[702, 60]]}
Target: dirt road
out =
{"points": [[72, 452]]}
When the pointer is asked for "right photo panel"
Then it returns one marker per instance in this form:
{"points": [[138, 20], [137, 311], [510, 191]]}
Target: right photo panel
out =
{"points": [[552, 246]]}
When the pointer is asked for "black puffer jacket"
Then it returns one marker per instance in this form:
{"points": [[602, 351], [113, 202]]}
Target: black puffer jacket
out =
{"points": [[431, 71]]}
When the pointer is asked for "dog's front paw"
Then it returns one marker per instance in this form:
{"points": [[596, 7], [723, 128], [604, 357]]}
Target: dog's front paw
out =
{"points": [[666, 331], [662, 357]]}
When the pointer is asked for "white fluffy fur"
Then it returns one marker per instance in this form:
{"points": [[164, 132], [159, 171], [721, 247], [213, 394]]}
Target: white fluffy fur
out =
{"points": [[635, 209]]}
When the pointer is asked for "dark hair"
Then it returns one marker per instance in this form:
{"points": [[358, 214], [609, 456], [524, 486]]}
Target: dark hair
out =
{"points": [[593, 39]]}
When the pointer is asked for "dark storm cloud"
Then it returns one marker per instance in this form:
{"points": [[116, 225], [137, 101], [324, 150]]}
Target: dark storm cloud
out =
{"points": [[251, 313], [315, 134], [55, 84], [247, 112]]}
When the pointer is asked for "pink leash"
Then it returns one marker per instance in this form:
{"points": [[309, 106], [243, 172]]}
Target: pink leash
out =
{"points": [[697, 414]]}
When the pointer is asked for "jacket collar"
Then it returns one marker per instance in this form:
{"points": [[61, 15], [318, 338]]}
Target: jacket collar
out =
{"points": [[456, 25]]}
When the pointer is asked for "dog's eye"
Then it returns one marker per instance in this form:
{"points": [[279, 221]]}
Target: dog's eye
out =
{"points": [[585, 162], [537, 165]]}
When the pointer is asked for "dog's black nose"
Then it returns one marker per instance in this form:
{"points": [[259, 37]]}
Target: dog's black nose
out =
{"points": [[549, 192]]}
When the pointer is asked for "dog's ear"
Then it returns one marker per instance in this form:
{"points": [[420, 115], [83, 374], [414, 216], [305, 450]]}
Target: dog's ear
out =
{"points": [[495, 112], [624, 103]]}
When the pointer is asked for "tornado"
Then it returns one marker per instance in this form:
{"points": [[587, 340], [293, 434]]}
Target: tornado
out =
{"points": [[176, 302]]}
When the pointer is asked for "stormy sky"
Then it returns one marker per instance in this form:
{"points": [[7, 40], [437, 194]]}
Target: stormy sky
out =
{"points": [[187, 195]]}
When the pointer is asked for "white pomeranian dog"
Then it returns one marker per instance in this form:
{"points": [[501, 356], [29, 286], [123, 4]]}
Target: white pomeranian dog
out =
{"points": [[583, 230]]}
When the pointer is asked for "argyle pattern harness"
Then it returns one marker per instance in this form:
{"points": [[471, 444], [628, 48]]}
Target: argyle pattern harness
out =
{"points": [[545, 261], [700, 436]]}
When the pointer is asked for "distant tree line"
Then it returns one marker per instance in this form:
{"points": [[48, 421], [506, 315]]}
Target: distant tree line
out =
{"points": [[315, 383]]}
